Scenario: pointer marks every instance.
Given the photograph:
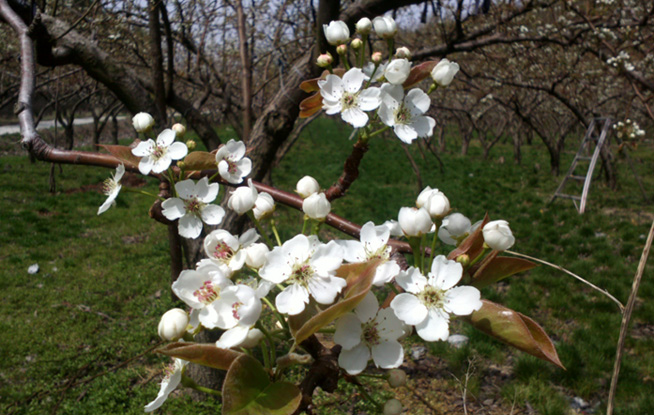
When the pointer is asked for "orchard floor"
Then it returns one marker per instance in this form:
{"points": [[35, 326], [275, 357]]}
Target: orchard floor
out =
{"points": [[75, 331]]}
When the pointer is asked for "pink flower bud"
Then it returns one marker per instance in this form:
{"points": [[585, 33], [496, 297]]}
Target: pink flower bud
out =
{"points": [[403, 53], [179, 130], [324, 60], [376, 58], [341, 49]]}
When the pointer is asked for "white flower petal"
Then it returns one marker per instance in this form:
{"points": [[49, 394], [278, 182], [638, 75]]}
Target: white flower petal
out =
{"points": [[434, 327], [166, 137], [325, 289], [292, 300], [388, 354], [177, 151], [369, 99], [462, 301], [354, 361], [445, 273], [385, 273], [411, 280], [212, 214], [186, 189], [348, 331], [355, 117], [145, 165], [389, 327], [405, 133], [419, 99], [331, 88], [409, 308], [144, 148], [353, 80], [233, 337], [173, 208], [367, 309], [189, 226]]}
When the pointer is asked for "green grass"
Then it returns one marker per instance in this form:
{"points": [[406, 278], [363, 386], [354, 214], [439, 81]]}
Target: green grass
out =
{"points": [[104, 280]]}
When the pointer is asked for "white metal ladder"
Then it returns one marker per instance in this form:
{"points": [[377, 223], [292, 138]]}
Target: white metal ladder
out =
{"points": [[593, 135]]}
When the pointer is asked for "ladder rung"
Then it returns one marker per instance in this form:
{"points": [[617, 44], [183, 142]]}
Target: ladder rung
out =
{"points": [[584, 158], [578, 177], [568, 196]]}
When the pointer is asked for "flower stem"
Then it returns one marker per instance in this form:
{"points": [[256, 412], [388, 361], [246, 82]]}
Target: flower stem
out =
{"points": [[274, 229], [190, 383], [438, 223], [414, 242], [367, 396], [304, 225], [381, 130], [263, 234], [279, 317], [271, 342], [483, 253]]}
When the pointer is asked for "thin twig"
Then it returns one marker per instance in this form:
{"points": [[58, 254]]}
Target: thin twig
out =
{"points": [[560, 268], [626, 316]]}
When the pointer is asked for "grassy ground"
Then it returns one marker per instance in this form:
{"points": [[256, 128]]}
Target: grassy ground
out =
{"points": [[103, 283]]}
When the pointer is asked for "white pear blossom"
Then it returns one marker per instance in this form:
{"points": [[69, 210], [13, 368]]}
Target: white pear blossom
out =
{"points": [[498, 236], [308, 268], [385, 26], [405, 114], [193, 206], [444, 71], [414, 222], [111, 187], [366, 332], [316, 206], [336, 32], [307, 186], [238, 309], [233, 166], [143, 122], [227, 251], [435, 201], [200, 289], [397, 71], [264, 206], [372, 245], [172, 325], [156, 157], [243, 199], [429, 301], [454, 228], [172, 379], [344, 95]]}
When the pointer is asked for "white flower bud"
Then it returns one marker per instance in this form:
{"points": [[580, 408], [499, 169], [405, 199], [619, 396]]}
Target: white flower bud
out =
{"points": [[364, 26], [264, 206], [179, 130], [443, 73], [336, 33], [255, 255], [376, 58], [393, 407], [307, 186], [252, 340], [436, 203], [396, 378], [356, 44], [341, 49], [397, 71], [243, 198], [414, 222], [143, 122], [316, 206], [453, 228], [385, 26], [403, 53], [173, 324], [324, 60], [498, 236]]}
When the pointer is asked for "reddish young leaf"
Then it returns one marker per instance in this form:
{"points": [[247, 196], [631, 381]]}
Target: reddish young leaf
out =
{"points": [[418, 73], [499, 268], [123, 153], [472, 245], [310, 105], [247, 390], [200, 160], [359, 279], [204, 354], [515, 329]]}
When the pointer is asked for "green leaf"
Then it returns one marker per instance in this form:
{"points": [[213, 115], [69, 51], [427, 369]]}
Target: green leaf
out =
{"points": [[200, 160], [123, 153], [499, 268], [201, 353], [515, 329], [359, 279], [248, 391]]}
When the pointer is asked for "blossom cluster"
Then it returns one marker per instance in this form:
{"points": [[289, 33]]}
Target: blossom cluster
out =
{"points": [[628, 130], [378, 85]]}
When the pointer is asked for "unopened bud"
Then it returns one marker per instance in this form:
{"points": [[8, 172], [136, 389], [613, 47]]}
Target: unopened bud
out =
{"points": [[393, 407], [396, 378], [403, 53], [463, 259], [179, 130], [173, 324], [356, 44], [324, 60], [376, 58], [191, 144], [341, 49]]}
